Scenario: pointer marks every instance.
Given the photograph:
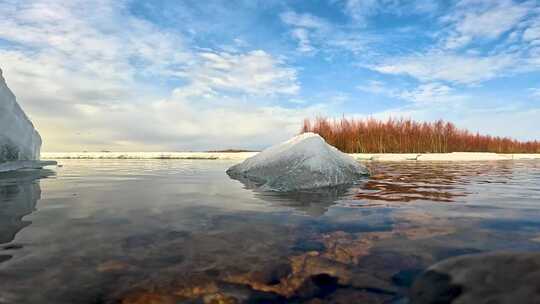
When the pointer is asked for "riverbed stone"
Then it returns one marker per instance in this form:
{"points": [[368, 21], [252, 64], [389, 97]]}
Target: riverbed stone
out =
{"points": [[494, 278]]}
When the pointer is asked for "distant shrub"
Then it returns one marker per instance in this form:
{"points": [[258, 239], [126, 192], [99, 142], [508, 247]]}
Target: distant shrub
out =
{"points": [[408, 136]]}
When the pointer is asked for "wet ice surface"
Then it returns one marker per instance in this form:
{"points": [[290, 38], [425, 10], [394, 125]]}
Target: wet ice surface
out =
{"points": [[179, 231]]}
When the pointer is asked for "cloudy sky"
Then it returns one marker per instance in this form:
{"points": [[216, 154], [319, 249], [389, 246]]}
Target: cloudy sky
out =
{"points": [[147, 75]]}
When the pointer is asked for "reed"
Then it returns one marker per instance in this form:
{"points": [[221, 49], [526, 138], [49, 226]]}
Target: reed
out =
{"points": [[408, 136]]}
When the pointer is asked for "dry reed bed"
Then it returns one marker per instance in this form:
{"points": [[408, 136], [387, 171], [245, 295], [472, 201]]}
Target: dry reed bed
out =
{"points": [[409, 136]]}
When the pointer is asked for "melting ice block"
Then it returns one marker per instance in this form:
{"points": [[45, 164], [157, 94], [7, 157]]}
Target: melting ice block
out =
{"points": [[19, 141], [303, 162]]}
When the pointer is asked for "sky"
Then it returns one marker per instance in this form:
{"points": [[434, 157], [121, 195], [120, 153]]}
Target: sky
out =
{"points": [[191, 75]]}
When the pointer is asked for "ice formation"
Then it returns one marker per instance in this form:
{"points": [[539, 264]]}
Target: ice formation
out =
{"points": [[303, 162], [19, 141]]}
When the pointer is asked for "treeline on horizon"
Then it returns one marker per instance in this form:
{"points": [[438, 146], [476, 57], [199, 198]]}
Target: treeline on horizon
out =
{"points": [[408, 136]]}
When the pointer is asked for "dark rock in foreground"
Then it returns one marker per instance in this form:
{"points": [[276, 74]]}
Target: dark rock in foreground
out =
{"points": [[494, 278]]}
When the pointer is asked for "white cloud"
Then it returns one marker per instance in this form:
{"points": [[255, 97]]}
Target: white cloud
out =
{"points": [[303, 20], [96, 76], [102, 78], [492, 22], [432, 93], [360, 10], [304, 43], [532, 33], [437, 66], [139, 120], [356, 44], [455, 41], [81, 53], [97, 38], [255, 73], [424, 94], [315, 34], [494, 29], [175, 124], [535, 92], [470, 21], [303, 27], [375, 87]]}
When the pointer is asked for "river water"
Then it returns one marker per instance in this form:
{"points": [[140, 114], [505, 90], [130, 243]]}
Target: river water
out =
{"points": [[182, 231]]}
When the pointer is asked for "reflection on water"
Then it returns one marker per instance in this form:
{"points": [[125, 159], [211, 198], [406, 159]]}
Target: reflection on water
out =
{"points": [[439, 182], [19, 193], [313, 202], [181, 231]]}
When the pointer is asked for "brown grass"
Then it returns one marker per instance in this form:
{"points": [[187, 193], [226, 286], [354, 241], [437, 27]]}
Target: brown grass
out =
{"points": [[408, 136]]}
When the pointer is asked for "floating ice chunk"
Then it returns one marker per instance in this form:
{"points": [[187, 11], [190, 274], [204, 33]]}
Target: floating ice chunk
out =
{"points": [[303, 162], [19, 141]]}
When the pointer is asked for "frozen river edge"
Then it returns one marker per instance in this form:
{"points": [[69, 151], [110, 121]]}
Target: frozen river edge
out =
{"points": [[239, 156]]}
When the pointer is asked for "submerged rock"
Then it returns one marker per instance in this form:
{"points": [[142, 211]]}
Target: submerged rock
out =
{"points": [[19, 141], [303, 162], [481, 278]]}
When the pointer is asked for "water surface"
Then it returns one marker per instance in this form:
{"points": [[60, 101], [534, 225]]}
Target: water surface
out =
{"points": [[181, 231]]}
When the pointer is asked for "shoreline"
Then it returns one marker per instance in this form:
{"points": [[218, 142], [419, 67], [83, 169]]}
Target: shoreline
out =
{"points": [[454, 156]]}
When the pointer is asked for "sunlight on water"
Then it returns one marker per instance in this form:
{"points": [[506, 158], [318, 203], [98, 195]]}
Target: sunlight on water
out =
{"points": [[170, 231]]}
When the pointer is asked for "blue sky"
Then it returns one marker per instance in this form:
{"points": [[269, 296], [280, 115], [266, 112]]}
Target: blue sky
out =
{"points": [[195, 75]]}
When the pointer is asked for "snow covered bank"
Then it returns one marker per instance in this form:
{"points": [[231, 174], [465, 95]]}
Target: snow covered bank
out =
{"points": [[149, 155], [18, 138], [303, 162], [240, 156], [455, 156]]}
